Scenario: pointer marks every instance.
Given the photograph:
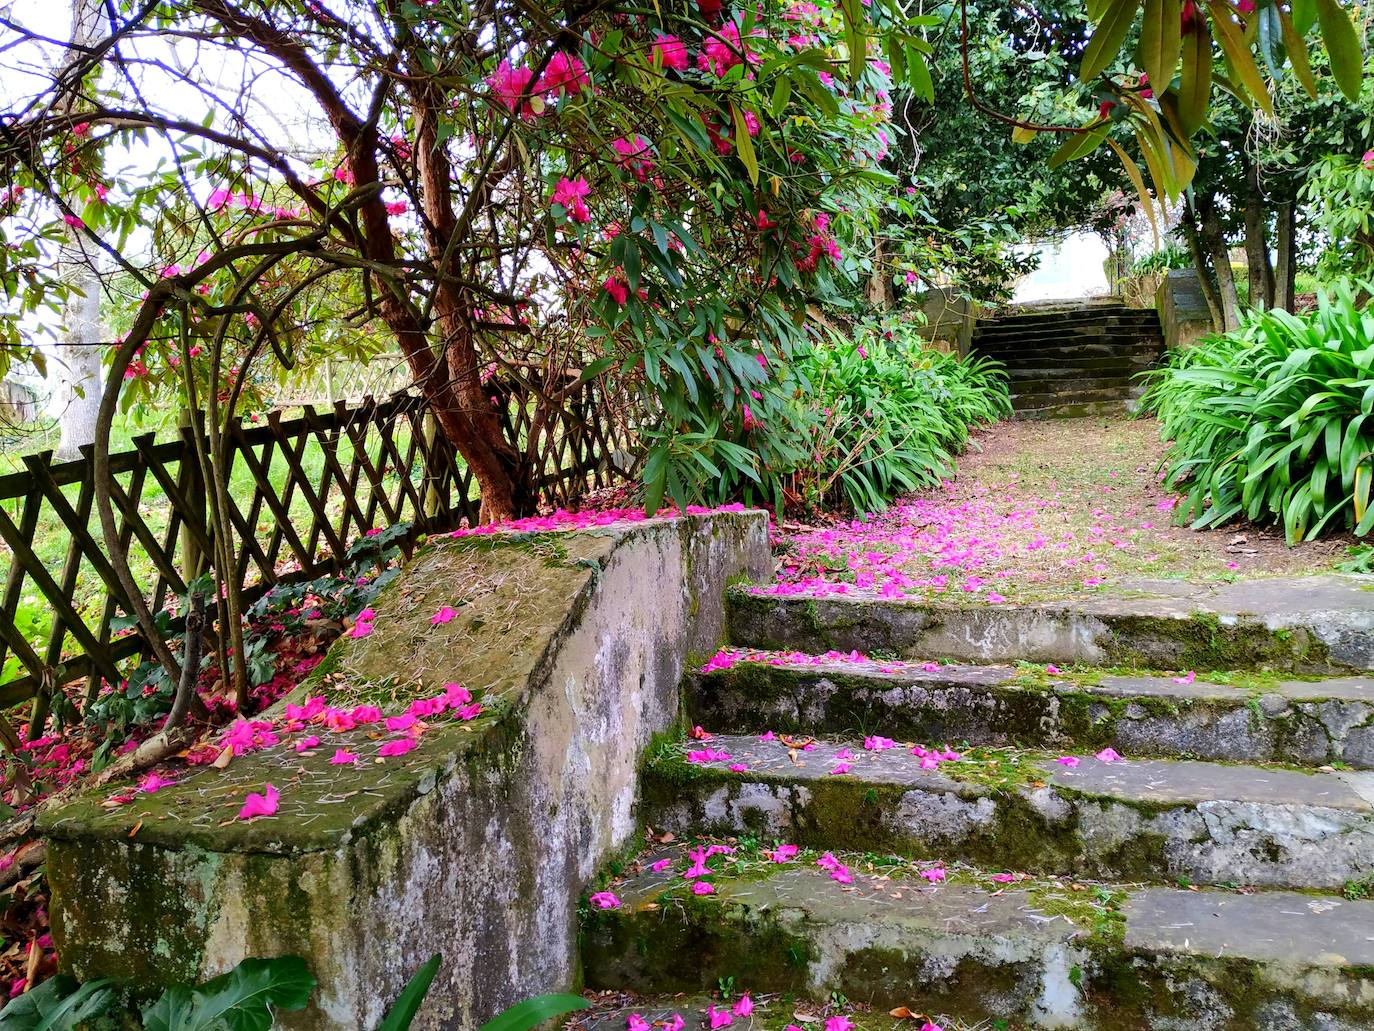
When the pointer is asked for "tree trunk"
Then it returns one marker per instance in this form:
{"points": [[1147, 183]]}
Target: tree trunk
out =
{"points": [[1259, 271], [1286, 274], [879, 283], [1206, 276], [1215, 242], [78, 364]]}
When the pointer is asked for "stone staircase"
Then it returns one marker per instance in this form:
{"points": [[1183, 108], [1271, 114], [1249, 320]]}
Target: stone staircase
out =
{"points": [[969, 845], [1072, 360]]}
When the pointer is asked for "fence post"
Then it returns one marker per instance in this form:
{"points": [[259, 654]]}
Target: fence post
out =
{"points": [[191, 483], [429, 431]]}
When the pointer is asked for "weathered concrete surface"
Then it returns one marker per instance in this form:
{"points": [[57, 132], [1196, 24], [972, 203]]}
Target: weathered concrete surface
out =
{"points": [[477, 844], [1037, 955], [1296, 722], [1132, 820], [1305, 624]]}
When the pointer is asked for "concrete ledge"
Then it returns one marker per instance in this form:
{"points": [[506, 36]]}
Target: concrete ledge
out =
{"points": [[1034, 954], [1308, 722], [477, 843], [1155, 820], [1313, 624]]}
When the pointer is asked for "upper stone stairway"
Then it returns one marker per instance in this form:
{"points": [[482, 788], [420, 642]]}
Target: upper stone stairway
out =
{"points": [[1003, 841], [1072, 360]]}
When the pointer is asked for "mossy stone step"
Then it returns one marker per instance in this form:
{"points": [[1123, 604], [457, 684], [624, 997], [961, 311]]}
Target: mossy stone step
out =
{"points": [[1031, 953], [1310, 624], [1266, 719], [1135, 819]]}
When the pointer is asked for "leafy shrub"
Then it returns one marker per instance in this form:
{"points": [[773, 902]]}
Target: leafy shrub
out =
{"points": [[889, 413], [1272, 422], [1170, 256]]}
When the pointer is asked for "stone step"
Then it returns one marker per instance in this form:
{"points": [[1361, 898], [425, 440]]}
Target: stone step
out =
{"points": [[1029, 953], [1143, 317], [1053, 369], [1079, 410], [1057, 351], [1082, 336], [1033, 390], [1267, 719], [1308, 624], [1133, 819]]}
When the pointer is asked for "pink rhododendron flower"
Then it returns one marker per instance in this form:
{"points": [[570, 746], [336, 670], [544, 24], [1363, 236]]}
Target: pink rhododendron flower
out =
{"points": [[839, 1024], [634, 158], [718, 1018], [874, 743], [307, 743], [660, 865], [398, 747], [619, 291], [1068, 760], [739, 767], [343, 757], [1187, 678], [570, 194], [74, 221], [363, 714], [670, 52], [605, 900], [743, 1006], [703, 888], [1109, 755], [674, 1023], [783, 853], [1052, 668], [361, 629], [397, 723], [934, 875], [841, 768], [1003, 878], [256, 805], [931, 1026], [456, 694], [1368, 159], [707, 755], [446, 614], [397, 207], [565, 73], [508, 84], [634, 1022]]}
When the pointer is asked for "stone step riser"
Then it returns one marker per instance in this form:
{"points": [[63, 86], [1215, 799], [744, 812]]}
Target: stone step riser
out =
{"points": [[1079, 410], [1049, 829], [1036, 392], [1101, 336], [1143, 318], [1041, 369], [1293, 723], [984, 958], [1051, 354], [1324, 627]]}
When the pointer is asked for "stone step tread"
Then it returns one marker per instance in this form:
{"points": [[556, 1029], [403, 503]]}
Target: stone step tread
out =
{"points": [[1180, 782], [1168, 685], [1318, 624], [1255, 718], [771, 1011], [1057, 954]]}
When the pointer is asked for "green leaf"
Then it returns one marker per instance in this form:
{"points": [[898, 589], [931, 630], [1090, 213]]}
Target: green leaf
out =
{"points": [[1161, 42], [744, 144], [58, 1004], [1296, 48], [242, 1000], [1238, 53], [1079, 145], [1343, 46], [407, 1004], [1195, 83], [1107, 38], [854, 39]]}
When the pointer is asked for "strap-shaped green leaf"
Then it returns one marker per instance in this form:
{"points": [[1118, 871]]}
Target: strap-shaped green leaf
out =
{"points": [[1107, 38], [1195, 84], [1079, 145], [1296, 48], [1343, 45], [745, 144], [1161, 42], [533, 1012], [1238, 53]]}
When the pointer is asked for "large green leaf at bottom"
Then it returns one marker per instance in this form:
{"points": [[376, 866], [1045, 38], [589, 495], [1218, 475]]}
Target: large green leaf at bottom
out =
{"points": [[241, 1000], [58, 1004]]}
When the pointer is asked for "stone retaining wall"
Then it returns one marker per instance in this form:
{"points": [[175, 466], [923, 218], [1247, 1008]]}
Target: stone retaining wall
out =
{"points": [[475, 845]]}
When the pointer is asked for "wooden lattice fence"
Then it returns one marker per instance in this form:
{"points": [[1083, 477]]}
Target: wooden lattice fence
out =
{"points": [[303, 489]]}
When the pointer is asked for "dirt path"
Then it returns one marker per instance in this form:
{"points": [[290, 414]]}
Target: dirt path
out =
{"points": [[1040, 509]]}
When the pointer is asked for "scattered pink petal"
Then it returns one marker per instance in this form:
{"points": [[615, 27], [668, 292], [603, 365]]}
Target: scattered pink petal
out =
{"points": [[343, 757], [307, 743], [934, 875], [1109, 755], [661, 865], [743, 1006], [1187, 678], [703, 888], [445, 615], [783, 853], [153, 782], [1068, 760], [400, 746], [1052, 669], [256, 805], [604, 900]]}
